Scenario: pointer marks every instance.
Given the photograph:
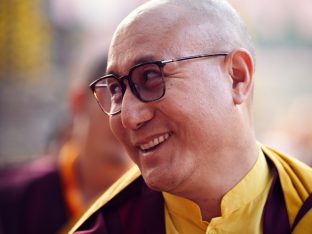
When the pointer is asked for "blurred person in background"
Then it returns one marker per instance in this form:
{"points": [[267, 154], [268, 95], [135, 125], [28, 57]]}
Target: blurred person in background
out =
{"points": [[46, 195], [59, 132]]}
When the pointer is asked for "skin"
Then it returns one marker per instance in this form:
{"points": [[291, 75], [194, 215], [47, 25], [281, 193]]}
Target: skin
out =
{"points": [[206, 108], [101, 160]]}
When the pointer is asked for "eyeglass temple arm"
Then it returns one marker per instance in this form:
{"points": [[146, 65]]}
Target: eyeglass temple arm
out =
{"points": [[193, 57]]}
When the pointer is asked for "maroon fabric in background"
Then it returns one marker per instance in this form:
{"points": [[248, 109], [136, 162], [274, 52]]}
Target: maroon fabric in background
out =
{"points": [[31, 199]]}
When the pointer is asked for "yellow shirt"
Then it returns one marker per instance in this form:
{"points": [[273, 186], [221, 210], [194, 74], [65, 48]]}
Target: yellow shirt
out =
{"points": [[241, 207]]}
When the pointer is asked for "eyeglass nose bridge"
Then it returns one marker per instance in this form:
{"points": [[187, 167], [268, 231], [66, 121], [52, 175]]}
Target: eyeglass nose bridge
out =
{"points": [[131, 85]]}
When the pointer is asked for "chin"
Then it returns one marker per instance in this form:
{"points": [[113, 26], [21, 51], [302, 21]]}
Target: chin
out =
{"points": [[160, 182]]}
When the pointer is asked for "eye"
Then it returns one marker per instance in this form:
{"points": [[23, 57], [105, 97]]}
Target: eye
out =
{"points": [[150, 74], [151, 78], [114, 88], [115, 91], [147, 77]]}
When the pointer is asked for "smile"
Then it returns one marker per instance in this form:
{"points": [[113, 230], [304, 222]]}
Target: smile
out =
{"points": [[154, 142]]}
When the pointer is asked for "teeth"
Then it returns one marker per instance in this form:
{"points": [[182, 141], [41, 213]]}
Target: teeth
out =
{"points": [[156, 141]]}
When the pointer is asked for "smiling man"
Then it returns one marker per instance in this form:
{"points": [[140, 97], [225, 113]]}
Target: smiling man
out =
{"points": [[178, 91]]}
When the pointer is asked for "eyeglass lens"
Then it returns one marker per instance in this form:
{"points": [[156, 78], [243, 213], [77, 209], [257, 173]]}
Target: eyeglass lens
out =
{"points": [[145, 81]]}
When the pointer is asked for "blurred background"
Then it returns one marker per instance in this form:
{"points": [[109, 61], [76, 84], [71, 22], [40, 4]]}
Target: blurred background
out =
{"points": [[45, 44]]}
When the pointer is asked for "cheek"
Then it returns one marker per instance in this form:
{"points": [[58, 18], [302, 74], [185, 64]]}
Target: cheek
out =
{"points": [[195, 105], [123, 137]]}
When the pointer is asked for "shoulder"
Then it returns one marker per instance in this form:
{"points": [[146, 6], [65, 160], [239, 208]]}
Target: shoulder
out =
{"points": [[123, 189], [129, 206], [295, 178], [292, 171]]}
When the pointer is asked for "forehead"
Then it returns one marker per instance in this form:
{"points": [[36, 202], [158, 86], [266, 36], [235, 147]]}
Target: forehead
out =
{"points": [[151, 36]]}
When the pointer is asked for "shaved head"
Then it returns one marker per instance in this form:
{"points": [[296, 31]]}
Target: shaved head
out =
{"points": [[218, 26]]}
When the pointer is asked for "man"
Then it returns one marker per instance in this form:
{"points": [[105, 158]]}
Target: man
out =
{"points": [[45, 196], [179, 94]]}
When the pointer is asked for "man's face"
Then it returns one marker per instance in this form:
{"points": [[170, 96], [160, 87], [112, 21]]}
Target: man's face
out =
{"points": [[174, 139]]}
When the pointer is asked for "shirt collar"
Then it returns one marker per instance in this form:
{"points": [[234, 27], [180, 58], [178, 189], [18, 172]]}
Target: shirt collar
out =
{"points": [[248, 189]]}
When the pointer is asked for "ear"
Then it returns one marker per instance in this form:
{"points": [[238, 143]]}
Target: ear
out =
{"points": [[241, 69], [78, 99]]}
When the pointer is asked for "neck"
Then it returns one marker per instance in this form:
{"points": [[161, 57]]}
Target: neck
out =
{"points": [[210, 208], [209, 186]]}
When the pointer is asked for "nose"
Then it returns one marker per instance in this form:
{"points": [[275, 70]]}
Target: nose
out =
{"points": [[134, 113]]}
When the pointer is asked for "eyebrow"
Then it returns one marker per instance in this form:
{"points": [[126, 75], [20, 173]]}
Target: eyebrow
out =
{"points": [[144, 59]]}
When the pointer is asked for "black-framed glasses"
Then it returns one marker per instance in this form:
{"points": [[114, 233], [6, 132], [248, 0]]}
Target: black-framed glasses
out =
{"points": [[146, 81]]}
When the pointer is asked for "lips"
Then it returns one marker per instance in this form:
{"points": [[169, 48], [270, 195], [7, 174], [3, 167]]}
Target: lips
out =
{"points": [[154, 142]]}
